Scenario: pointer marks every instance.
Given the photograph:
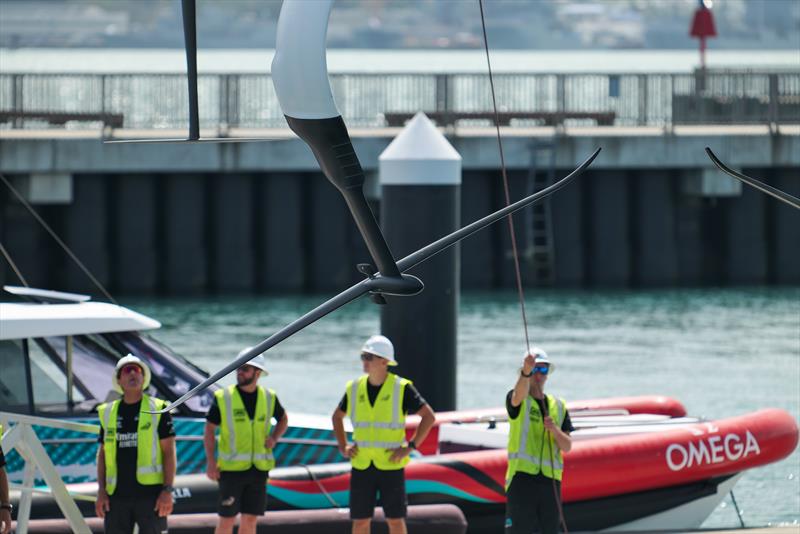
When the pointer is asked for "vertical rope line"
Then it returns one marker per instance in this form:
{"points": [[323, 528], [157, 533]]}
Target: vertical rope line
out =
{"points": [[58, 239], [520, 292]]}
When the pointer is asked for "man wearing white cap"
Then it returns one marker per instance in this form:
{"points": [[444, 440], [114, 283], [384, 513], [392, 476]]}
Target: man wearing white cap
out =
{"points": [[136, 460], [377, 404], [240, 459], [538, 437]]}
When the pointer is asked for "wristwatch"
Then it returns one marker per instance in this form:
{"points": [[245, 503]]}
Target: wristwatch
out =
{"points": [[412, 445], [522, 372], [168, 489], [7, 506]]}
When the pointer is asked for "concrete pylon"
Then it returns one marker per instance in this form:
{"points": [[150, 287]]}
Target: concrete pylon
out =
{"points": [[420, 177]]}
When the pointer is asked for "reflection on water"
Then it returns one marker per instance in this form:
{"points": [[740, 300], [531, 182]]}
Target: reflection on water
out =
{"points": [[721, 352]]}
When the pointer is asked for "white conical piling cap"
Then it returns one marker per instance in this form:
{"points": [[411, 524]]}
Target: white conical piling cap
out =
{"points": [[420, 155]]}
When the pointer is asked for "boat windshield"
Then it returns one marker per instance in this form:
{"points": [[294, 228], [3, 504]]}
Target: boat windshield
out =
{"points": [[33, 378]]}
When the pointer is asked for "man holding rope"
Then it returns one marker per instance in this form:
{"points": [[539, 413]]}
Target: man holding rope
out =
{"points": [[539, 435]]}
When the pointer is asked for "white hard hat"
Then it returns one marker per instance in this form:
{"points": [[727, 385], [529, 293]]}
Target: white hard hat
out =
{"points": [[258, 362], [542, 357], [380, 346], [130, 358]]}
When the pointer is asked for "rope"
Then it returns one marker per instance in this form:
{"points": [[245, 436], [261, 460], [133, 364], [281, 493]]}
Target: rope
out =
{"points": [[58, 239], [738, 512], [520, 292], [13, 265], [319, 485]]}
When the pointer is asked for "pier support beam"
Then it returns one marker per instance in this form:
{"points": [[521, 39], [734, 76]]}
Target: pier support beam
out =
{"points": [[420, 174], [185, 243], [786, 225], [477, 252], [280, 232], [568, 239], [85, 233], [233, 255], [135, 249], [655, 248], [609, 248], [746, 237]]}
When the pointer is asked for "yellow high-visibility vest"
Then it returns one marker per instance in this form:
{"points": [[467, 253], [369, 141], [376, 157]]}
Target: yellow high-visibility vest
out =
{"points": [[149, 462], [380, 427], [242, 441], [530, 449]]}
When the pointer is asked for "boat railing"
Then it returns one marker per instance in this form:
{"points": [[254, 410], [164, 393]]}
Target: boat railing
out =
{"points": [[21, 436]]}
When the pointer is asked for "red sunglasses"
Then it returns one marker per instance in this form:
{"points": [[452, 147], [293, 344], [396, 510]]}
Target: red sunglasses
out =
{"points": [[130, 368]]}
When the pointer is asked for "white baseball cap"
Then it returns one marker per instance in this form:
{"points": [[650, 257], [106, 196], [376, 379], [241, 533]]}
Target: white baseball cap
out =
{"points": [[258, 362], [542, 357], [130, 358], [380, 346]]}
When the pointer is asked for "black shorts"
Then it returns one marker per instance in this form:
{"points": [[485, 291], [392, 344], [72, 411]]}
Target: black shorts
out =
{"points": [[125, 511], [366, 484], [531, 504], [242, 492]]}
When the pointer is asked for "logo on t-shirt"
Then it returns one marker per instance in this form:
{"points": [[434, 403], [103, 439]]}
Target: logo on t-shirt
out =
{"points": [[127, 439]]}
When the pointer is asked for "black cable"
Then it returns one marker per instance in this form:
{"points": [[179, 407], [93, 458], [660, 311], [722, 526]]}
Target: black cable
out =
{"points": [[13, 265], [58, 239]]}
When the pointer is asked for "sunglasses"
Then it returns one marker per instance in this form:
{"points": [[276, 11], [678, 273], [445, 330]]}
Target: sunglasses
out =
{"points": [[131, 368], [542, 369], [365, 357]]}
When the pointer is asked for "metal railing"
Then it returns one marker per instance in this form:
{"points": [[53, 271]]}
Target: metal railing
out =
{"points": [[23, 438], [249, 101]]}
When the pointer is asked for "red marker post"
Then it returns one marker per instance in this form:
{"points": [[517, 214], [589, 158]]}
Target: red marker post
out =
{"points": [[703, 28]]}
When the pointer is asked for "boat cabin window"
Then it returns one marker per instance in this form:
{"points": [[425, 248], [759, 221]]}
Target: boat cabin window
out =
{"points": [[49, 380], [13, 377]]}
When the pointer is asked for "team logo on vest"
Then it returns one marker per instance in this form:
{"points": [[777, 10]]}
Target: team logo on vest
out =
{"points": [[238, 413], [385, 397], [147, 425], [712, 450], [534, 414], [362, 398]]}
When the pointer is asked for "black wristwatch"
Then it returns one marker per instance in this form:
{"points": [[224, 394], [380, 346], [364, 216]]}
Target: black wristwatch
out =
{"points": [[526, 376], [412, 445], [167, 488], [7, 506]]}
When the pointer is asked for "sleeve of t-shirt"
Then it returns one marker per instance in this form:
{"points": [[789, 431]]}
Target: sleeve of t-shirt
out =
{"points": [[213, 416], [102, 434], [2, 459], [566, 426], [513, 411], [166, 428], [343, 403], [278, 412], [412, 400]]}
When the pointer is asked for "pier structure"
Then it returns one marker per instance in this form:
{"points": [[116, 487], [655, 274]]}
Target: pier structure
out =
{"points": [[259, 217]]}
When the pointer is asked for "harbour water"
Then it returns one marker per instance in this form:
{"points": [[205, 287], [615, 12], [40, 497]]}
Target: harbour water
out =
{"points": [[722, 352]]}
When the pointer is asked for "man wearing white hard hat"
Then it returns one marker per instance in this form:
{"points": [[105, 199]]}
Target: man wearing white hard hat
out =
{"points": [[539, 435], [241, 457], [136, 459], [377, 404]]}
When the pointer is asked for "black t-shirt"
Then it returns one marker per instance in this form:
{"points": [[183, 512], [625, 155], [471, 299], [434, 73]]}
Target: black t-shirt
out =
{"points": [[412, 400], [127, 442], [513, 412], [2, 459], [249, 400]]}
